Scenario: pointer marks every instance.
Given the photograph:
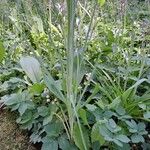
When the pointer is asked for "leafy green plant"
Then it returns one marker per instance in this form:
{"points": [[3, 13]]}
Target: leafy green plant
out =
{"points": [[138, 131], [83, 78], [110, 132]]}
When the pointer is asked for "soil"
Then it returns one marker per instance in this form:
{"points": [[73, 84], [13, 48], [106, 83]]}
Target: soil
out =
{"points": [[11, 137]]}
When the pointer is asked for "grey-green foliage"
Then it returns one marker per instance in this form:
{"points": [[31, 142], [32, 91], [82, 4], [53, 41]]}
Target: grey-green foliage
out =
{"points": [[109, 131], [20, 101], [137, 130], [32, 68]]}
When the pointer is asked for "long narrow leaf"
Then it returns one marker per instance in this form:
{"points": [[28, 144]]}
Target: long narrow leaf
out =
{"points": [[52, 86]]}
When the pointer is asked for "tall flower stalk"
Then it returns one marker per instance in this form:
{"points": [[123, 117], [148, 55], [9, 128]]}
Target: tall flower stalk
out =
{"points": [[71, 92]]}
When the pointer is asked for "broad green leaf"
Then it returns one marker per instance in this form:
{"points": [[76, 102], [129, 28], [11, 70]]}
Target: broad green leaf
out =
{"points": [[78, 138], [22, 108], [136, 138], [147, 115], [52, 86], [132, 124], [42, 111], [96, 146], [141, 126], [125, 147], [112, 123], [35, 137], [123, 138], [37, 88], [95, 136], [2, 51], [54, 129], [101, 2], [91, 107], [17, 98], [15, 107], [12, 99], [26, 117], [47, 120], [32, 68], [105, 132], [83, 116], [121, 111], [65, 144], [118, 142], [50, 145]]}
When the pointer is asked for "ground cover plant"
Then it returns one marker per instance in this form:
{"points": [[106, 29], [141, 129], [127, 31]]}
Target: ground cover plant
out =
{"points": [[77, 73]]}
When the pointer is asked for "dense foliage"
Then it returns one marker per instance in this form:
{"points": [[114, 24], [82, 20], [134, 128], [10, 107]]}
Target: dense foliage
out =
{"points": [[77, 73]]}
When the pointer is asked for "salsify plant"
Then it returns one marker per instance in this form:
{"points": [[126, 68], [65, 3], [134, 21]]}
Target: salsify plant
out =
{"points": [[72, 78], [72, 74]]}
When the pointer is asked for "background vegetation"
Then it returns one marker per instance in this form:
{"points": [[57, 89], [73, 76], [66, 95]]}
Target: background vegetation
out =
{"points": [[77, 73]]}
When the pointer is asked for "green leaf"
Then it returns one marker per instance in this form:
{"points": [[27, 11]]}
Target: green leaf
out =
{"points": [[42, 111], [13, 99], [101, 2], [54, 129], [129, 91], [123, 138], [64, 144], [37, 88], [91, 107], [132, 124], [47, 120], [2, 51], [136, 138], [125, 147], [118, 142], [35, 137], [112, 126], [112, 123], [14, 107], [22, 108], [121, 111], [26, 117], [32, 68], [147, 115], [105, 132], [50, 145], [95, 136], [52, 86], [78, 138], [96, 146], [141, 126], [101, 104], [115, 103], [82, 114]]}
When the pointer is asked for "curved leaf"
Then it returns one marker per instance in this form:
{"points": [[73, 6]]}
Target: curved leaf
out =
{"points": [[52, 86], [32, 68], [78, 139]]}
